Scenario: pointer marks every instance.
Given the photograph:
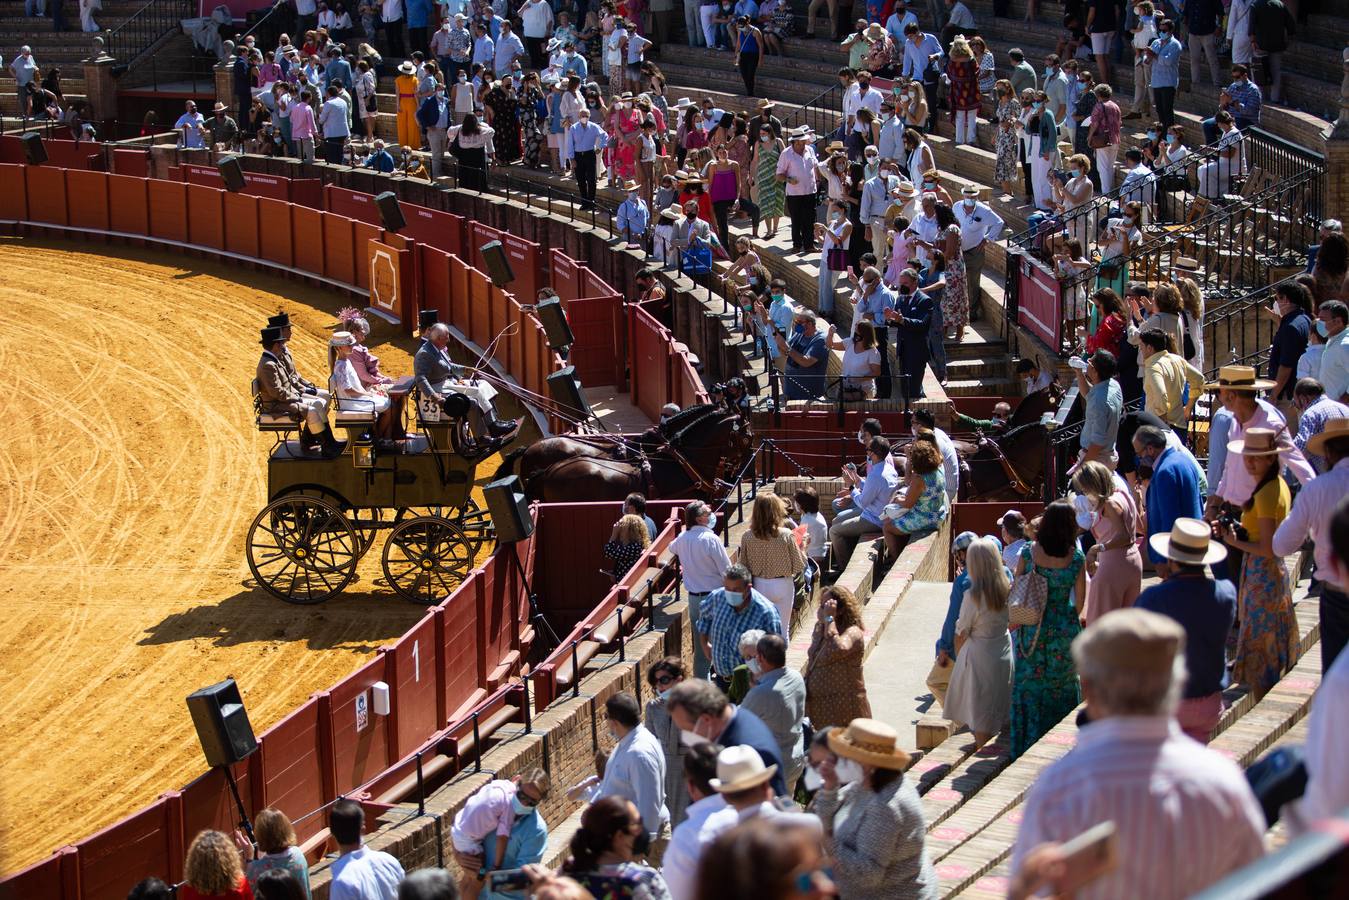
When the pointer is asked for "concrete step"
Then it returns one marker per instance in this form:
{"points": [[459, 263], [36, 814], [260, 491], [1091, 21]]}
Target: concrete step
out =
{"points": [[982, 387], [978, 368]]}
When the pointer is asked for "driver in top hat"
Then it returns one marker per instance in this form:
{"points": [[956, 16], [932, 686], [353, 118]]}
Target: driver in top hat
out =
{"points": [[282, 321]]}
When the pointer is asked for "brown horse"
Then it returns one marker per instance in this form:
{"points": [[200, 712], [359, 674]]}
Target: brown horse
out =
{"points": [[1008, 467], [1035, 405], [687, 456]]}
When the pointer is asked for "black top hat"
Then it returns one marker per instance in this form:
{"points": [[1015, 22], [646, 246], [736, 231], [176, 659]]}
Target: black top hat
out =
{"points": [[270, 335], [426, 318], [280, 320]]}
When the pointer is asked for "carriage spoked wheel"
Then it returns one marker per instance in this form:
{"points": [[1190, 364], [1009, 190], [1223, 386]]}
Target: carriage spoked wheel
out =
{"points": [[302, 549], [426, 558], [473, 521]]}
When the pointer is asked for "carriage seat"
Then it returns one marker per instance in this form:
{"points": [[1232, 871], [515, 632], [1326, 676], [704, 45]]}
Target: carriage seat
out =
{"points": [[266, 421]]}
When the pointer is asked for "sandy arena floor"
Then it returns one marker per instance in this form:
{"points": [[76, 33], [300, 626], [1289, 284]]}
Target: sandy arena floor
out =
{"points": [[130, 472]]}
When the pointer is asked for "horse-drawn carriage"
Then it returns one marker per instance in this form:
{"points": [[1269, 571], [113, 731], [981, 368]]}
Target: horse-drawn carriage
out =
{"points": [[325, 514]]}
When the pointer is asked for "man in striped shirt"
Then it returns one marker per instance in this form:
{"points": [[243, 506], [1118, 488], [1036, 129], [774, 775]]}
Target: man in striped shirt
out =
{"points": [[1184, 814]]}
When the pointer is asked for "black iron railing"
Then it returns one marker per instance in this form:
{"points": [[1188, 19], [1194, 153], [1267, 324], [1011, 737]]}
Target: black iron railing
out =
{"points": [[1241, 330], [129, 42], [267, 30], [821, 113]]}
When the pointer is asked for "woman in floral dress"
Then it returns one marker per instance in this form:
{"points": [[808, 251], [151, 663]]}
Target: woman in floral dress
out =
{"points": [[531, 122], [503, 115], [955, 299], [1006, 168], [1044, 682], [963, 72]]}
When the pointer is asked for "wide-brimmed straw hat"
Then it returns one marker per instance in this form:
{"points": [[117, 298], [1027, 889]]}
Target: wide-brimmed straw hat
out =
{"points": [[740, 768], [1239, 378], [870, 742], [1333, 429], [1190, 542], [1256, 442], [406, 67], [342, 339], [906, 189]]}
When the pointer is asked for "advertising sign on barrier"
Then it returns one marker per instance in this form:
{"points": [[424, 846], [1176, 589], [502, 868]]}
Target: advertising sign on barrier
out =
{"points": [[565, 277], [386, 278], [524, 259]]}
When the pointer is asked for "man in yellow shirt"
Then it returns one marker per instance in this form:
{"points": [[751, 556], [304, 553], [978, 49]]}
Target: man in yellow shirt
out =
{"points": [[1165, 376]]}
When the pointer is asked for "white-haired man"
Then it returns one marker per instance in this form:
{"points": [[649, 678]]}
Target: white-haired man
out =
{"points": [[924, 226], [440, 379], [1184, 814]]}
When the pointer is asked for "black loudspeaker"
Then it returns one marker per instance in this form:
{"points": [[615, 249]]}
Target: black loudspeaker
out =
{"points": [[555, 324], [498, 266], [565, 390], [390, 211], [509, 509], [232, 173], [33, 149], [222, 723]]}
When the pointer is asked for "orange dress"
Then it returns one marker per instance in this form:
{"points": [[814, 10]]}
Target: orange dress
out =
{"points": [[409, 135]]}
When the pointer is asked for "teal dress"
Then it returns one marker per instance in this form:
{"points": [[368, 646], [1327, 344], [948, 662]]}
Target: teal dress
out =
{"points": [[1044, 683], [930, 510]]}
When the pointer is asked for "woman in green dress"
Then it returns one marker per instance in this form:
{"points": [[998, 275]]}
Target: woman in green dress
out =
{"points": [[1044, 683], [771, 197]]}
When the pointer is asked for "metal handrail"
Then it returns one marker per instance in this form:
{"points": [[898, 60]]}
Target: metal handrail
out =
{"points": [[819, 112], [130, 41]]}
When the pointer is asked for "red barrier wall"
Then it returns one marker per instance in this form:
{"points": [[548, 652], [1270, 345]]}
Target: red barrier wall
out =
{"points": [[276, 231], [13, 191], [442, 230], [352, 204], [339, 249], [90, 210], [206, 216], [168, 210], [307, 238], [525, 262], [129, 204], [47, 194], [241, 224], [566, 277]]}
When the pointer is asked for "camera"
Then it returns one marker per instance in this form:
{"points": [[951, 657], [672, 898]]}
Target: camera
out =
{"points": [[508, 879], [1229, 521]]}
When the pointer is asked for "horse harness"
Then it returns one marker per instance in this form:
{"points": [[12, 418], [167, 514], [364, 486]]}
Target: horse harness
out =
{"points": [[1017, 484]]}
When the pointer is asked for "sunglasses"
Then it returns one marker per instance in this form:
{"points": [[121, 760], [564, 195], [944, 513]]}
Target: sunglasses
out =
{"points": [[662, 680]]}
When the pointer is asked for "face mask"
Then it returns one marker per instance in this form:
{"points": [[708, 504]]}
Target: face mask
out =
{"points": [[968, 204], [641, 844], [777, 297], [1049, 71], [871, 159], [520, 808], [834, 217], [661, 695], [632, 195], [765, 137], [849, 771], [798, 329], [931, 186], [1321, 328], [1152, 135], [863, 438], [1173, 139], [1077, 173], [1037, 106], [585, 120], [690, 738], [735, 598], [1164, 33], [812, 778], [755, 666]]}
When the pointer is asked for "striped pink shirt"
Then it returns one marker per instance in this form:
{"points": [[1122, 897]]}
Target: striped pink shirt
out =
{"points": [[302, 120], [1185, 814]]}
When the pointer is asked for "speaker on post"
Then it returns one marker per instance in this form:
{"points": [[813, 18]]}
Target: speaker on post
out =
{"points": [[498, 266], [222, 723], [509, 509], [232, 173], [33, 149], [565, 389], [555, 324], [390, 211]]}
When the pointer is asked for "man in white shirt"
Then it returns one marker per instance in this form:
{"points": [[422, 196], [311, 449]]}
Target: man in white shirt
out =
{"points": [[192, 126], [959, 21], [1140, 182], [706, 817], [1184, 814], [536, 17], [509, 48], [391, 11], [864, 97], [796, 169], [979, 227], [899, 19], [636, 767], [1036, 380], [875, 202], [359, 873], [702, 562], [333, 121], [1334, 370], [924, 226], [922, 62]]}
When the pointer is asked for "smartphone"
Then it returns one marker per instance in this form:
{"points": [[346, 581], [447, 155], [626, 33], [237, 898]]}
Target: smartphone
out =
{"points": [[851, 467], [508, 879], [1091, 854]]}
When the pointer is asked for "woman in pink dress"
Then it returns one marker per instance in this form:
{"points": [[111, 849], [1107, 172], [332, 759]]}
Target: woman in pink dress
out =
{"points": [[1114, 566], [625, 136]]}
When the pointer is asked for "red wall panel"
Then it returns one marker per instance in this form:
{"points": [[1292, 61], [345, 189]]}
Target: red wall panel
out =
{"points": [[129, 204], [47, 194], [274, 227], [307, 240], [131, 162], [241, 224], [168, 210], [524, 259], [206, 216], [364, 233], [414, 689], [649, 363], [358, 754], [460, 653], [480, 316], [435, 273], [441, 230], [207, 802], [123, 854], [13, 192], [352, 204], [565, 276], [479, 234], [338, 249], [292, 779], [461, 308], [88, 192]]}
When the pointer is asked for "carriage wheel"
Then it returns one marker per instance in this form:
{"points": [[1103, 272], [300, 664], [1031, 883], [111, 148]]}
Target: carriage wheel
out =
{"points": [[474, 521], [426, 558], [302, 549]]}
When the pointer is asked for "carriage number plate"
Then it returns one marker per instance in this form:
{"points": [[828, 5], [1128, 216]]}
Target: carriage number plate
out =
{"points": [[428, 408]]}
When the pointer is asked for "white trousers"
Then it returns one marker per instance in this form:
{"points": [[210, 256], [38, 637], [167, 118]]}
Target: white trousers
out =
{"points": [[1039, 175], [315, 412], [781, 592], [705, 14], [966, 129], [1105, 164], [480, 392]]}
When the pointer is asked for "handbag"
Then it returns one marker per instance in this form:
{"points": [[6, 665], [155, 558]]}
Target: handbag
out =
{"points": [[1097, 141], [1189, 347], [837, 259]]}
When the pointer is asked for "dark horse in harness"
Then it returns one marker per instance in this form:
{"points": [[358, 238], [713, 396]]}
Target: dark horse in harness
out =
{"points": [[1011, 465], [689, 455]]}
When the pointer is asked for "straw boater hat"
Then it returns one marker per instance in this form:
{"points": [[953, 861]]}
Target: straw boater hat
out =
{"points": [[835, 147], [799, 133], [766, 104], [870, 742], [630, 185], [342, 339], [1334, 428], [671, 213], [1186, 265], [406, 67], [969, 190], [740, 768], [1239, 378], [1132, 640], [219, 107], [875, 31], [1256, 442], [1190, 542], [906, 189], [693, 178]]}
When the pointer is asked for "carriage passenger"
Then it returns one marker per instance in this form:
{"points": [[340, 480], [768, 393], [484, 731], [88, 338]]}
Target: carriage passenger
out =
{"points": [[345, 381], [365, 362]]}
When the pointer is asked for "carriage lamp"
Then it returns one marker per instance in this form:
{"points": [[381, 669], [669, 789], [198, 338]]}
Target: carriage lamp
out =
{"points": [[363, 451]]}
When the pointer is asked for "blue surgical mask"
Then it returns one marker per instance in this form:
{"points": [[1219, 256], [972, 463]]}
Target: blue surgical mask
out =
{"points": [[1152, 135], [1321, 328], [1173, 139], [1049, 71], [777, 296], [735, 598], [521, 809]]}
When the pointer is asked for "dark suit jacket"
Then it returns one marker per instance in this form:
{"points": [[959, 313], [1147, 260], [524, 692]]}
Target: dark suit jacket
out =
{"points": [[748, 729], [916, 312], [432, 369]]}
